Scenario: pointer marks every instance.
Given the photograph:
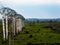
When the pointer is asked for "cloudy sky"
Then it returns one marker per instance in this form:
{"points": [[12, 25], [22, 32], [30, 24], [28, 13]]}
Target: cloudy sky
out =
{"points": [[34, 8]]}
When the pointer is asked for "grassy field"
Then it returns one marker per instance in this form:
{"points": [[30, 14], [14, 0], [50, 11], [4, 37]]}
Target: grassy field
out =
{"points": [[34, 34]]}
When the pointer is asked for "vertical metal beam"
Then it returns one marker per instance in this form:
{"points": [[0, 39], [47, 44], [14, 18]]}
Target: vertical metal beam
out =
{"points": [[6, 27], [3, 27]]}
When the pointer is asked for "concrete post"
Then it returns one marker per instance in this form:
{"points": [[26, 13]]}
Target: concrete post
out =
{"points": [[6, 27], [14, 25], [3, 27]]}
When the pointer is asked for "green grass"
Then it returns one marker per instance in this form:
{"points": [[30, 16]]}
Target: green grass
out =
{"points": [[39, 35]]}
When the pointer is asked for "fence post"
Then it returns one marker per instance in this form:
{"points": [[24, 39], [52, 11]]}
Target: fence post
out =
{"points": [[6, 27], [3, 27]]}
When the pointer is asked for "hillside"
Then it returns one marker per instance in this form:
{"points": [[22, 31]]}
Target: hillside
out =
{"points": [[35, 34]]}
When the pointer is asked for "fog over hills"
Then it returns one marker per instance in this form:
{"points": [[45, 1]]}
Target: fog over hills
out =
{"points": [[40, 20]]}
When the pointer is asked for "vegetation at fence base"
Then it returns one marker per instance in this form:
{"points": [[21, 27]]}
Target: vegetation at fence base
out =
{"points": [[37, 34]]}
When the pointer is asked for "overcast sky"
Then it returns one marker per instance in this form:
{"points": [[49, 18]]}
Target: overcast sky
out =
{"points": [[34, 8]]}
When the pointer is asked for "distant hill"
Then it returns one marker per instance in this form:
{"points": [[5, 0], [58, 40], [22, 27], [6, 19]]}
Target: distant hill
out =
{"points": [[41, 20]]}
